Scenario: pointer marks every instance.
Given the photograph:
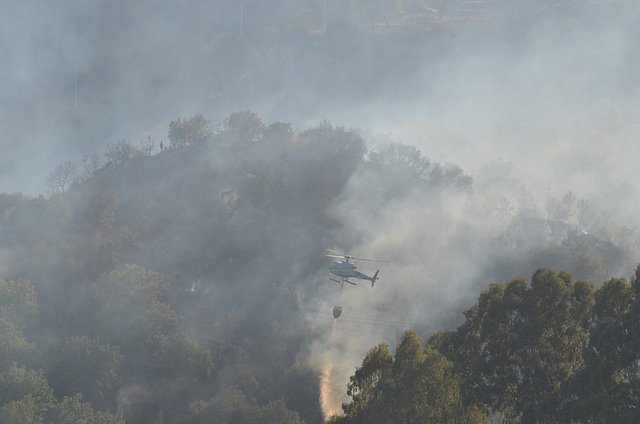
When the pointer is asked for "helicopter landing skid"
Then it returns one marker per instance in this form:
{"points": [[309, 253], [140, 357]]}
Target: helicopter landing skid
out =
{"points": [[342, 281], [335, 280]]}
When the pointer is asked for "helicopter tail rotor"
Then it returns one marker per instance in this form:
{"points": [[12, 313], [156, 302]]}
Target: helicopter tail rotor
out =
{"points": [[373, 279]]}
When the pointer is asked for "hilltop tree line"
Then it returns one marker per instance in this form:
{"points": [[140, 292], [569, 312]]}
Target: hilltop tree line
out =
{"points": [[161, 286], [182, 131], [552, 351], [285, 48]]}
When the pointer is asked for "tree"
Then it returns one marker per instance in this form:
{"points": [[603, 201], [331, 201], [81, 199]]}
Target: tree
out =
{"points": [[90, 164], [233, 407], [107, 239], [241, 129], [71, 410], [158, 359], [582, 263], [130, 308], [18, 382], [607, 388], [61, 177], [179, 360], [279, 137], [178, 132], [22, 411], [520, 344], [18, 301], [562, 210], [14, 348], [425, 389], [147, 146], [299, 387], [417, 385], [330, 156], [462, 347], [120, 151], [199, 127], [183, 131], [403, 158], [86, 366]]}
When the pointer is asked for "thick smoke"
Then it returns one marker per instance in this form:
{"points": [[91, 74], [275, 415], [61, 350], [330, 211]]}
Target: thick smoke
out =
{"points": [[530, 104]]}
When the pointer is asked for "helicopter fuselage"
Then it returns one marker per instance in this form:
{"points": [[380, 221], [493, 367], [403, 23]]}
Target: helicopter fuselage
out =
{"points": [[346, 269]]}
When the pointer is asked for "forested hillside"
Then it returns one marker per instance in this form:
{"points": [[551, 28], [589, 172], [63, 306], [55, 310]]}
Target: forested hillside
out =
{"points": [[155, 282], [167, 287]]}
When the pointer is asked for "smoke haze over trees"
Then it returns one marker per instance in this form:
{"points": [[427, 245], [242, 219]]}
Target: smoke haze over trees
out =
{"points": [[466, 143], [191, 285]]}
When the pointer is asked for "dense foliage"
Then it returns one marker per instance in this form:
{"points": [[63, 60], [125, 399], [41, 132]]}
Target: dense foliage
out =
{"points": [[555, 350]]}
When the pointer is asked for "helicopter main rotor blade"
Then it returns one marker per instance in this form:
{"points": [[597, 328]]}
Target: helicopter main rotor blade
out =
{"points": [[368, 260], [347, 257], [335, 252]]}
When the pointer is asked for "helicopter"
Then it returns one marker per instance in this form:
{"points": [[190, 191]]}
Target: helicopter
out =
{"points": [[345, 271]]}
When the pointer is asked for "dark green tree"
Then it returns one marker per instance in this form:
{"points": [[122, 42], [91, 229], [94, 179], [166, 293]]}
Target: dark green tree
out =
{"points": [[71, 410], [233, 407], [84, 365], [521, 343], [25, 410], [18, 382], [130, 308], [35, 409], [179, 361], [417, 385], [330, 155], [607, 388], [299, 387], [364, 387]]}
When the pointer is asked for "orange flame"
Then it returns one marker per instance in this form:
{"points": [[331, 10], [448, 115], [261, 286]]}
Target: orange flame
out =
{"points": [[329, 395]]}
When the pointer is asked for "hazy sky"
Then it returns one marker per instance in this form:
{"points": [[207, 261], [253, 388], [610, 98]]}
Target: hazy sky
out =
{"points": [[77, 75]]}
